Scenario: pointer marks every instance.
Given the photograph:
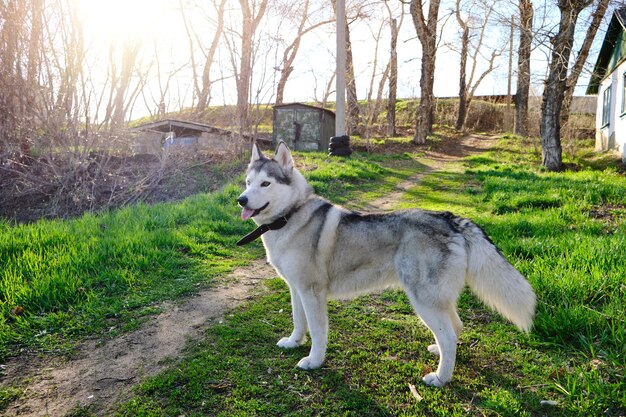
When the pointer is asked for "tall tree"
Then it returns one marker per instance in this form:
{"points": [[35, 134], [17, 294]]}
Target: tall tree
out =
{"points": [[393, 80], [354, 112], [304, 26], [526, 13], [393, 69], [203, 83], [557, 82], [426, 28], [469, 84], [121, 76], [581, 58], [252, 13], [373, 106]]}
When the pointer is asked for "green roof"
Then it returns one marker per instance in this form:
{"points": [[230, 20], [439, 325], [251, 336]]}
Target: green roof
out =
{"points": [[612, 52]]}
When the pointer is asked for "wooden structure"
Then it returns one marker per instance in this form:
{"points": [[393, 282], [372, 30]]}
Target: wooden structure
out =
{"points": [[154, 138], [303, 127]]}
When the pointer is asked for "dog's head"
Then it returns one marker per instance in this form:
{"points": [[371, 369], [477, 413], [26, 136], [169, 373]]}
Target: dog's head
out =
{"points": [[271, 189]]}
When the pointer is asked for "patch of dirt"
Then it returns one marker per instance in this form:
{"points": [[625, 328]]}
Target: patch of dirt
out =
{"points": [[102, 374]]}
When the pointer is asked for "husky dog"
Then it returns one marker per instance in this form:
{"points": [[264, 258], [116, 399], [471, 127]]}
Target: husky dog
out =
{"points": [[322, 250]]}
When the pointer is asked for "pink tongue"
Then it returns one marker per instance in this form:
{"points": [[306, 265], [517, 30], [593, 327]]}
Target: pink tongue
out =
{"points": [[246, 213]]}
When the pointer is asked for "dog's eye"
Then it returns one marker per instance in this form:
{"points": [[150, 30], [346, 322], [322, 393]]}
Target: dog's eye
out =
{"points": [[265, 184]]}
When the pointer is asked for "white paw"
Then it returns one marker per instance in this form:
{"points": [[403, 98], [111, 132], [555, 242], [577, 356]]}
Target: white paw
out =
{"points": [[433, 380], [434, 349], [289, 343], [308, 363]]}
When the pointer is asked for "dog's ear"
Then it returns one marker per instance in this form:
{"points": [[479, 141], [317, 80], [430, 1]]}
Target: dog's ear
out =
{"points": [[283, 156], [256, 153]]}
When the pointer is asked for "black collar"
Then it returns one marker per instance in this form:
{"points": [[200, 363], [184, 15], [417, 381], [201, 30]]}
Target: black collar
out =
{"points": [[277, 224]]}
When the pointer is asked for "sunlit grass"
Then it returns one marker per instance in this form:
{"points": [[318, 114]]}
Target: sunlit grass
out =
{"points": [[565, 232], [545, 225], [62, 280]]}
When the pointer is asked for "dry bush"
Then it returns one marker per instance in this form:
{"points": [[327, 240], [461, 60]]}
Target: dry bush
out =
{"points": [[68, 181], [483, 116], [579, 130]]}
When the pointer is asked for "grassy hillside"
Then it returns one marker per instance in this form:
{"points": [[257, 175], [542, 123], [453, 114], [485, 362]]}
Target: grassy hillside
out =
{"points": [[483, 115]]}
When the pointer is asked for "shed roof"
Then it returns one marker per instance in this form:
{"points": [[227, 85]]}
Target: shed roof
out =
{"points": [[168, 125], [302, 105], [605, 64]]}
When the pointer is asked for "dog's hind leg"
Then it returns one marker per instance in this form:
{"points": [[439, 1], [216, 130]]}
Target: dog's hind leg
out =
{"points": [[441, 325], [298, 335], [458, 327]]}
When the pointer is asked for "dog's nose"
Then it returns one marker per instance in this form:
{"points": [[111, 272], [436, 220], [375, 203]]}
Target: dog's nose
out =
{"points": [[242, 200]]}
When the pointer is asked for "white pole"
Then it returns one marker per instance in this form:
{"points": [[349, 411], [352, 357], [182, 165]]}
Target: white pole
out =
{"points": [[340, 116]]}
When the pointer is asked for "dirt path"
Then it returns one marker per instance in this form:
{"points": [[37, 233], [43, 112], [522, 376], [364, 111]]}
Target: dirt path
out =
{"points": [[102, 374], [434, 161]]}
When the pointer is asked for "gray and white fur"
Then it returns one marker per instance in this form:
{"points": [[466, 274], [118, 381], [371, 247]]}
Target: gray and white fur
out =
{"points": [[325, 251]]}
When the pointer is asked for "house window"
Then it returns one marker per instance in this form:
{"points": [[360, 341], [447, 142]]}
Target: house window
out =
{"points": [[624, 92], [606, 106]]}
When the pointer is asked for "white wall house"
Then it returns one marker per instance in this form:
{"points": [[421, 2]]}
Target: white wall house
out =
{"points": [[609, 83]]}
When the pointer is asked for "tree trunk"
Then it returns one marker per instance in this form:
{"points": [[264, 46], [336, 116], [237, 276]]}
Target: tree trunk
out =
{"points": [[427, 35], [462, 115], [129, 59], [291, 52], [556, 83], [523, 67], [244, 76], [354, 113], [204, 96], [572, 80], [393, 80]]}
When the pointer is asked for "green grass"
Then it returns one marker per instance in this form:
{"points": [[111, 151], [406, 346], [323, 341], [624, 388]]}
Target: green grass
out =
{"points": [[358, 179], [63, 280], [73, 278], [574, 356], [564, 231]]}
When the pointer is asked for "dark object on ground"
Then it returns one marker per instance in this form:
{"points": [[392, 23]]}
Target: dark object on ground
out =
{"points": [[339, 146]]}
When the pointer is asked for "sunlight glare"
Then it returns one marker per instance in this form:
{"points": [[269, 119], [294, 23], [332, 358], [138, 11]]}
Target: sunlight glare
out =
{"points": [[117, 20]]}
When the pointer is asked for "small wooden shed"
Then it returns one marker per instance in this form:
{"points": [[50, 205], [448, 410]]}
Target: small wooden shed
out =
{"points": [[153, 138], [303, 127]]}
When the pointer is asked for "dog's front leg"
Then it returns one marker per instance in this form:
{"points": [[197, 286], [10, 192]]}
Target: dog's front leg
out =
{"points": [[315, 307], [298, 336]]}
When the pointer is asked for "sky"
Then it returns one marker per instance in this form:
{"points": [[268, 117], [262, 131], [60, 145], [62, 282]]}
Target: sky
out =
{"points": [[157, 23]]}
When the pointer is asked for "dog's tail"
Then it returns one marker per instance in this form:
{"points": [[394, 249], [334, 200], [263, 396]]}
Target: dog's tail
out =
{"points": [[495, 281]]}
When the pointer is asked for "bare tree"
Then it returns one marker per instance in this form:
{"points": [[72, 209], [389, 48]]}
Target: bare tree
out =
{"points": [[126, 55], [328, 89], [468, 86], [354, 112], [426, 28], [373, 106], [526, 13], [393, 69], [252, 14], [21, 28], [557, 82], [393, 79], [203, 83], [596, 19], [305, 24]]}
